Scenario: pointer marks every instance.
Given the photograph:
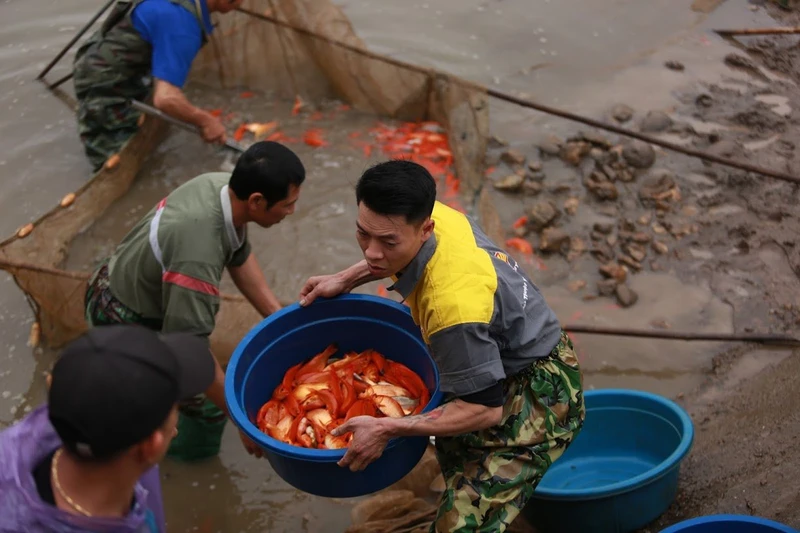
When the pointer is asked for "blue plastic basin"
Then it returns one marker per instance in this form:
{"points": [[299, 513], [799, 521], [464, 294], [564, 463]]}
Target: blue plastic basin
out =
{"points": [[728, 523], [621, 472], [294, 334]]}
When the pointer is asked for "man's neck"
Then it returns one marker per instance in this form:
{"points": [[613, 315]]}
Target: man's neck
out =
{"points": [[100, 490], [238, 210]]}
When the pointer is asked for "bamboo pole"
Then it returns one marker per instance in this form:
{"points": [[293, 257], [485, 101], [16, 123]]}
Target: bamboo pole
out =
{"points": [[760, 31], [530, 104], [759, 338]]}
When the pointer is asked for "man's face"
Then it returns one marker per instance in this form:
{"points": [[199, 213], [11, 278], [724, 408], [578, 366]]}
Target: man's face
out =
{"points": [[258, 212], [389, 243]]}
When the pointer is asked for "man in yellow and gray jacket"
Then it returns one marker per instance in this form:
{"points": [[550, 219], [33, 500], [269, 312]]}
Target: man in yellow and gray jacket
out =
{"points": [[514, 394]]}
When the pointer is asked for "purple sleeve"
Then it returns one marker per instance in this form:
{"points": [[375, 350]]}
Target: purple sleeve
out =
{"points": [[151, 481]]}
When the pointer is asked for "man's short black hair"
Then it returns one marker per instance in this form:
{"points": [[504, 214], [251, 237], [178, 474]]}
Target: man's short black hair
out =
{"points": [[398, 187], [268, 168]]}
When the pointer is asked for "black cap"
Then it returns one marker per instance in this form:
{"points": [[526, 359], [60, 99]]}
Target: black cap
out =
{"points": [[115, 385]]}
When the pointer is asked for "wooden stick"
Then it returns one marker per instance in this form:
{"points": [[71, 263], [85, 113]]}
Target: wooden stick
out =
{"points": [[761, 31], [761, 338], [144, 108], [56, 84], [530, 104]]}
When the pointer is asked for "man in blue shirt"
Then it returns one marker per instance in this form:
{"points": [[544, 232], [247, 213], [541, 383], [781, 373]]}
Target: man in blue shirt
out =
{"points": [[143, 45]]}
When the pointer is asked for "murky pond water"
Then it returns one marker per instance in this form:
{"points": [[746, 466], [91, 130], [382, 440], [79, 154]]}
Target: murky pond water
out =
{"points": [[319, 235], [578, 55]]}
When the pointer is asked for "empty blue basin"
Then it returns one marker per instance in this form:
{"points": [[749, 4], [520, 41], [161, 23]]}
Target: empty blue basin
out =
{"points": [[621, 472]]}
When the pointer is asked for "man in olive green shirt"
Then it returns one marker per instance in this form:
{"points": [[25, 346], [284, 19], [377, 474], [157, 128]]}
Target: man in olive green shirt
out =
{"points": [[166, 272]]}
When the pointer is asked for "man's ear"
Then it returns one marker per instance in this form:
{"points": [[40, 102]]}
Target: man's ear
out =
{"points": [[255, 200], [151, 446], [427, 229], [49, 380]]}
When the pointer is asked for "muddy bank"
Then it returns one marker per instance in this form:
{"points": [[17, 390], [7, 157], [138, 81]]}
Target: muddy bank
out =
{"points": [[747, 421], [603, 215], [744, 458]]}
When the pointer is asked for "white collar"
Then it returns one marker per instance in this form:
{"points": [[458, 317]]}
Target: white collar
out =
{"points": [[227, 212]]}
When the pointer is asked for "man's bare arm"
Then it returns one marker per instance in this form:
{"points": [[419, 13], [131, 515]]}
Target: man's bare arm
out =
{"points": [[171, 100], [250, 281], [357, 275], [453, 418]]}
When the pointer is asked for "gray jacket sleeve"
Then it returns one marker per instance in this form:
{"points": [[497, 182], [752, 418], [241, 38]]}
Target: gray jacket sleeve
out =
{"points": [[467, 357]]}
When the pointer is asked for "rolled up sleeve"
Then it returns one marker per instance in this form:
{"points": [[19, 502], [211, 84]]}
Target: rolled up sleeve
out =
{"points": [[240, 256], [467, 357]]}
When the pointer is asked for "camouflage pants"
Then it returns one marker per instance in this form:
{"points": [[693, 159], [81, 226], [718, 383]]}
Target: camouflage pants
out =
{"points": [[104, 82], [102, 308], [105, 124], [491, 474], [200, 422]]}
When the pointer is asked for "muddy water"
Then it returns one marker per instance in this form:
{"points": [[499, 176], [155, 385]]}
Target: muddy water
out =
{"points": [[320, 234], [581, 56]]}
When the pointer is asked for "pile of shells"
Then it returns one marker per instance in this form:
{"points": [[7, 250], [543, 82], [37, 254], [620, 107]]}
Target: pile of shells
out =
{"points": [[610, 172]]}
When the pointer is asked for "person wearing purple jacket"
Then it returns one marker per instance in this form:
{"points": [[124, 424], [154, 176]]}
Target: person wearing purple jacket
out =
{"points": [[87, 460]]}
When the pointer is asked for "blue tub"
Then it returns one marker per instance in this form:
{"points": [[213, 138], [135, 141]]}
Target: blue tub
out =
{"points": [[729, 523], [354, 322], [621, 472]]}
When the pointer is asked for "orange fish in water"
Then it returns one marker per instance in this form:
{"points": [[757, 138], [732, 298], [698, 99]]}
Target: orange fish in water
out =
{"points": [[298, 105], [320, 394], [240, 131], [521, 245], [520, 222], [313, 137], [277, 136], [261, 129]]}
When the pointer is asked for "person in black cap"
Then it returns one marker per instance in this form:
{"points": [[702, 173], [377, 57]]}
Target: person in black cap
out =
{"points": [[87, 460]]}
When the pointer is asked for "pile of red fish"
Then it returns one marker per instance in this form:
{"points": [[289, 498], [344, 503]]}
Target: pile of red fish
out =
{"points": [[319, 395], [425, 143]]}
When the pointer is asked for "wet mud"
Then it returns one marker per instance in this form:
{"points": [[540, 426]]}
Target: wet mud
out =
{"points": [[737, 242]]}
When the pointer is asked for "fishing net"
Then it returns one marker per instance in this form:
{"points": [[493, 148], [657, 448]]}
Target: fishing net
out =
{"points": [[248, 50]]}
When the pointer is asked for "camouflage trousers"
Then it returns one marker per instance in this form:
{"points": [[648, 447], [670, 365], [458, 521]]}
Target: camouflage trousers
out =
{"points": [[491, 474], [200, 422], [104, 83], [105, 124], [102, 308]]}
